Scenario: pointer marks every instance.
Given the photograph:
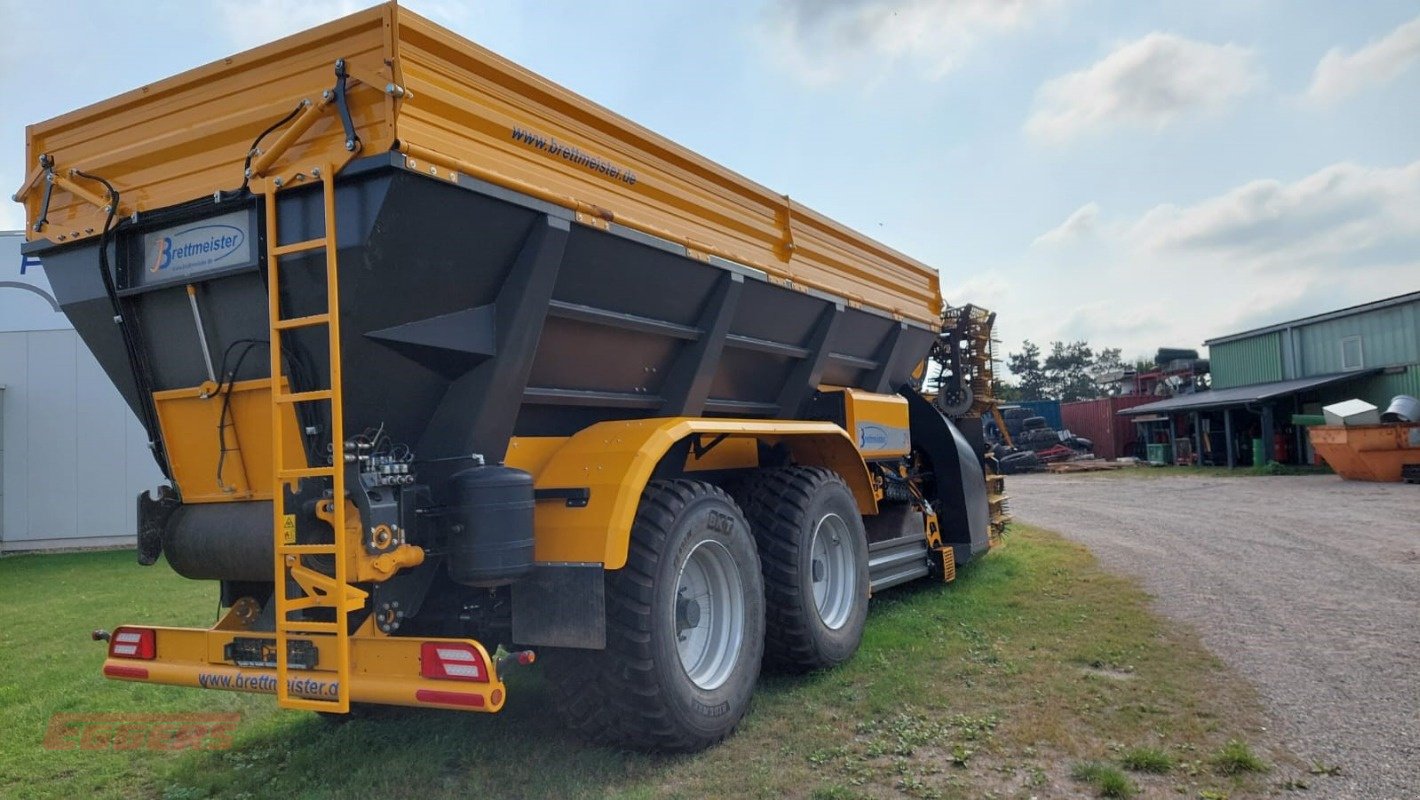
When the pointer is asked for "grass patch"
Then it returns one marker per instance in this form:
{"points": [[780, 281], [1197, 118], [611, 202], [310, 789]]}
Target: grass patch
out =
{"points": [[1236, 758], [1035, 659], [1107, 781], [1147, 759], [1275, 468]]}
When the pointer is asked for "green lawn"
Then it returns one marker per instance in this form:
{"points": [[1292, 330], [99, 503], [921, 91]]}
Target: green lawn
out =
{"points": [[1033, 663]]}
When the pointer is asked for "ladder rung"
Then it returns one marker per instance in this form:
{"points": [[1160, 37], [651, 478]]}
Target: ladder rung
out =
{"points": [[298, 247], [307, 626], [301, 322], [307, 549], [304, 397], [300, 703], [307, 472]]}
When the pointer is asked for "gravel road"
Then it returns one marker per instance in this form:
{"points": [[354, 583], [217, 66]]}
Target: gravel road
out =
{"points": [[1309, 586]]}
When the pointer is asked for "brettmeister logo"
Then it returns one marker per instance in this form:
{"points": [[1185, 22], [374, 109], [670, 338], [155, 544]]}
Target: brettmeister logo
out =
{"points": [[202, 246], [872, 437]]}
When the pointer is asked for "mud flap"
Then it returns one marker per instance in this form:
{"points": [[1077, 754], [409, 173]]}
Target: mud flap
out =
{"points": [[960, 499], [153, 516]]}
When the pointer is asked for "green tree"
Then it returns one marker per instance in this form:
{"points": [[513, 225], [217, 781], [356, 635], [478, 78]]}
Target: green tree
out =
{"points": [[1106, 370], [1067, 371], [1005, 392], [1110, 359], [1029, 372]]}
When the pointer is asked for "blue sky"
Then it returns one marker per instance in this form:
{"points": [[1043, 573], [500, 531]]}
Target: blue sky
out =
{"points": [[1136, 174]]}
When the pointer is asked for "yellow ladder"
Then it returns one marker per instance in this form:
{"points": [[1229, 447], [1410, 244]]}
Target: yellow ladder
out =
{"points": [[317, 589]]}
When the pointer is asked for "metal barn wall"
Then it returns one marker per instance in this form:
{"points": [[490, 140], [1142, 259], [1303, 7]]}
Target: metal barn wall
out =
{"points": [[1257, 359], [74, 455], [1389, 337]]}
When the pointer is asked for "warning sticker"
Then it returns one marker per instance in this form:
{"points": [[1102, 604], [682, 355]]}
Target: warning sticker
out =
{"points": [[288, 529]]}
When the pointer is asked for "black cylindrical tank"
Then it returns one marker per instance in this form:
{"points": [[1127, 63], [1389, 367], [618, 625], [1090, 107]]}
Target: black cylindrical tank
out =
{"points": [[490, 525], [221, 541]]}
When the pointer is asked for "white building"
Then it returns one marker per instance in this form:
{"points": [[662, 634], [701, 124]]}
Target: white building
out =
{"points": [[72, 455]]}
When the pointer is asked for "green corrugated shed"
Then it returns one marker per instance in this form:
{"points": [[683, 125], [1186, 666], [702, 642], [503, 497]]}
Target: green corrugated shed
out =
{"points": [[1257, 359], [1388, 337], [1384, 334]]}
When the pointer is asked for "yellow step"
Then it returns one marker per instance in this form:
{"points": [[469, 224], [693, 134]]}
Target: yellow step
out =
{"points": [[301, 322], [307, 472], [298, 247], [308, 626], [339, 705], [303, 397], [306, 549]]}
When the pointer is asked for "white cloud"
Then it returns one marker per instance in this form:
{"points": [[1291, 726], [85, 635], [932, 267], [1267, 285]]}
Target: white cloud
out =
{"points": [[1341, 215], [988, 289], [1110, 323], [1260, 252], [1338, 74], [1150, 82], [823, 42], [1079, 225]]}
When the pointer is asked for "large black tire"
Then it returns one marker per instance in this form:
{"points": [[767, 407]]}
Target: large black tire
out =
{"points": [[785, 507], [638, 693]]}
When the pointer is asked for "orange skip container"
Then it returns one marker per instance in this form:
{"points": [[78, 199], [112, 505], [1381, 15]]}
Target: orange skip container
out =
{"points": [[1368, 452]]}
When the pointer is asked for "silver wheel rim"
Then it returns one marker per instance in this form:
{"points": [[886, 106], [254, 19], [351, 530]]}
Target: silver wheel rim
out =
{"points": [[831, 571], [708, 615]]}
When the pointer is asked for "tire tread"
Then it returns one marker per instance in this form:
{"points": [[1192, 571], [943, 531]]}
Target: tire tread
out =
{"points": [[776, 505], [612, 696]]}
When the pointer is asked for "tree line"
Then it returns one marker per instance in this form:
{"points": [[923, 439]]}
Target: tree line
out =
{"points": [[1068, 372]]}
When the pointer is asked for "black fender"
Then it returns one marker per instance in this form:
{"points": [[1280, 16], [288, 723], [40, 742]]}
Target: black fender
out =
{"points": [[957, 486]]}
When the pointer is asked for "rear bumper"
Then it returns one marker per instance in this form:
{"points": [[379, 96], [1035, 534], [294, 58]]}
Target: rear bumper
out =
{"points": [[383, 670]]}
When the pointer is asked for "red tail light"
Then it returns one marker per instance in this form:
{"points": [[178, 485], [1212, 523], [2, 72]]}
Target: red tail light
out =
{"points": [[449, 698], [452, 661], [133, 643]]}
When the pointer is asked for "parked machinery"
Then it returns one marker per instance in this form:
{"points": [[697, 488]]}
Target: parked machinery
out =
{"points": [[445, 363]]}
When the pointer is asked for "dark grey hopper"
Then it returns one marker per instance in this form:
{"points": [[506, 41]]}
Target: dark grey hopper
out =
{"points": [[471, 314]]}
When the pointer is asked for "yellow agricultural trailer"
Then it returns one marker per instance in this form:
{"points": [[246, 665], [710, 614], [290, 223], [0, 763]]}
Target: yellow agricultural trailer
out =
{"points": [[445, 363]]}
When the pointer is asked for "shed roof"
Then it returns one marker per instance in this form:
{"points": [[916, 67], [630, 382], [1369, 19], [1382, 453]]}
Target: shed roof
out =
{"points": [[1242, 395]]}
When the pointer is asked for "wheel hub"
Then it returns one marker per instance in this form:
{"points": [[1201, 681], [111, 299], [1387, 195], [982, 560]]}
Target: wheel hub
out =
{"points": [[687, 614], [709, 614], [832, 572]]}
